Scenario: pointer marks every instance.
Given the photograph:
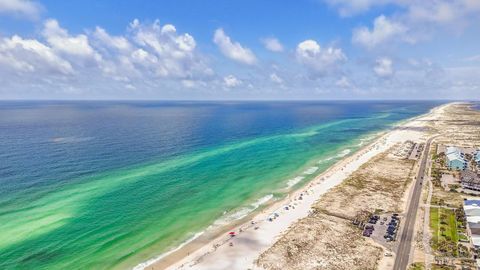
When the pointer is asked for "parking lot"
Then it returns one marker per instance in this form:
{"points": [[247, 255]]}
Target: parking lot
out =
{"points": [[384, 229]]}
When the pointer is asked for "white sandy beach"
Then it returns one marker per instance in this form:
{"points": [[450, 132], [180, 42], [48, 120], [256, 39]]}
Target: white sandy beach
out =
{"points": [[255, 236]]}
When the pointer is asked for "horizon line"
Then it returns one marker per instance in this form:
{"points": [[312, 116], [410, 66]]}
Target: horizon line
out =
{"points": [[235, 100]]}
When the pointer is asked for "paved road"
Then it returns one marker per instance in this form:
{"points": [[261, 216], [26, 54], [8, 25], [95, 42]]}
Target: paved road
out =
{"points": [[403, 252]]}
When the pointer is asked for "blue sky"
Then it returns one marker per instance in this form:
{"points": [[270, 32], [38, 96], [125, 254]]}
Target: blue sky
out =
{"points": [[211, 49]]}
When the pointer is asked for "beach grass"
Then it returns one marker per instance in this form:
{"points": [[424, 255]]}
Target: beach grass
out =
{"points": [[417, 266]]}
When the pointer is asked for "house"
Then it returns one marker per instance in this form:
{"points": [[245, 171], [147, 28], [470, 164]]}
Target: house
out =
{"points": [[470, 180], [476, 157], [455, 158], [472, 213]]}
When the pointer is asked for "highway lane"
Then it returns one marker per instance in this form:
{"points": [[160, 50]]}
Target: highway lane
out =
{"points": [[403, 252]]}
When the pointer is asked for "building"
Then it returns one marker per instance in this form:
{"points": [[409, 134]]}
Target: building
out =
{"points": [[455, 158], [472, 213], [470, 180]]}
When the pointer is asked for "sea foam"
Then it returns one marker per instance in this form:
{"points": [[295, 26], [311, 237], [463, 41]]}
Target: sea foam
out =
{"points": [[311, 170], [339, 155], [242, 212], [294, 181], [344, 153], [145, 264], [239, 214]]}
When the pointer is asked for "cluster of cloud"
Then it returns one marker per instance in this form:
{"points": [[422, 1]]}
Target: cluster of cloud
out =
{"points": [[157, 57], [147, 55], [383, 30], [320, 61], [438, 10], [231, 81], [414, 20], [146, 51]]}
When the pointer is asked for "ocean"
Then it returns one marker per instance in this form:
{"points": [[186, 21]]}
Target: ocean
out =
{"points": [[111, 184]]}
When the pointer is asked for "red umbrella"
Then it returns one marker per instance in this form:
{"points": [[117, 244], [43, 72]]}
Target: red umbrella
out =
{"points": [[232, 233]]}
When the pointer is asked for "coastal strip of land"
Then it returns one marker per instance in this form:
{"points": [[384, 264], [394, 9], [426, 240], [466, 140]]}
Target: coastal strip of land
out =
{"points": [[283, 235]]}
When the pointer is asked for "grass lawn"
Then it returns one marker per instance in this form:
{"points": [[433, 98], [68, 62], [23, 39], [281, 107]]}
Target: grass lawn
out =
{"points": [[443, 224]]}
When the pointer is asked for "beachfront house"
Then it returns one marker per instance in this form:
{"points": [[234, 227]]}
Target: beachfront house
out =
{"points": [[477, 157], [472, 212], [470, 180], [455, 158]]}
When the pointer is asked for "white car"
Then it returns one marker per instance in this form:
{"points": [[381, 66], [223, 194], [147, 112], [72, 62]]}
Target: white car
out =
{"points": [[388, 254]]}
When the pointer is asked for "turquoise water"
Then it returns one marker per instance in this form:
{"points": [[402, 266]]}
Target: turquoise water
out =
{"points": [[107, 185]]}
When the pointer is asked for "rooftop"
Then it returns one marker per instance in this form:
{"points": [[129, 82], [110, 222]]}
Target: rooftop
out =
{"points": [[468, 176]]}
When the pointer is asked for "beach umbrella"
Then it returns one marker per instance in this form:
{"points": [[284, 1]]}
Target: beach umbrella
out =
{"points": [[232, 233]]}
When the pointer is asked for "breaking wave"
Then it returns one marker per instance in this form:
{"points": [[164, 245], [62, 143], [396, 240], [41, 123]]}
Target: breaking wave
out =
{"points": [[145, 264], [311, 170], [339, 155], [242, 212], [294, 181]]}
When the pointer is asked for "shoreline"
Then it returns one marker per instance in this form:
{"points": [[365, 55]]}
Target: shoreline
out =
{"points": [[195, 251]]}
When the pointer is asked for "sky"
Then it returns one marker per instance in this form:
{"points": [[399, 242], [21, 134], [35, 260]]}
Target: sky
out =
{"points": [[240, 50]]}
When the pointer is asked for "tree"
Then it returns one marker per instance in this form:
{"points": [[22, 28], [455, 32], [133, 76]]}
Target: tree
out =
{"points": [[442, 230]]}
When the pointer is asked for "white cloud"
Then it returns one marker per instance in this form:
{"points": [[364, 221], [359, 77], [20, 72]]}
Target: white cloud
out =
{"points": [[30, 55], [435, 12], [275, 78], [383, 30], [233, 50], [192, 83], [319, 60], [117, 42], [444, 11], [231, 81], [383, 67], [147, 56], [272, 44], [26, 8], [420, 17], [61, 41], [343, 82], [473, 58], [353, 7], [166, 53]]}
